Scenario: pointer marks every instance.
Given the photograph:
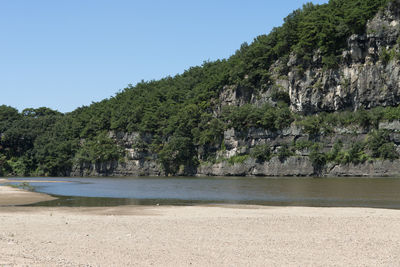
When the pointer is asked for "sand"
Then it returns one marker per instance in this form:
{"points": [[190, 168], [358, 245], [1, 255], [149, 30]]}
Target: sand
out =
{"points": [[198, 236], [15, 196]]}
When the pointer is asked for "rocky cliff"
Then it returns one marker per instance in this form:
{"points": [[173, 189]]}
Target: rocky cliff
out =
{"points": [[241, 143], [368, 76]]}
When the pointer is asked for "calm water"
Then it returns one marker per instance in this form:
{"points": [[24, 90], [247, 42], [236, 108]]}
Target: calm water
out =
{"points": [[336, 192]]}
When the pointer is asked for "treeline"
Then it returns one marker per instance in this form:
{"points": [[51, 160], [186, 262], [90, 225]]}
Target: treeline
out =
{"points": [[180, 112]]}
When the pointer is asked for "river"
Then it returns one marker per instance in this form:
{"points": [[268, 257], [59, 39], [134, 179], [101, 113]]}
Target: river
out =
{"points": [[319, 192]]}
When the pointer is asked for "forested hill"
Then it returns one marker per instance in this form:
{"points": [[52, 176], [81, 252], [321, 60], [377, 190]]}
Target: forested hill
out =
{"points": [[299, 74]]}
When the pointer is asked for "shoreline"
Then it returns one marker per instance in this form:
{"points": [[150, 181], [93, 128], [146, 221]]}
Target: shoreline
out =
{"points": [[11, 196], [208, 235], [199, 236]]}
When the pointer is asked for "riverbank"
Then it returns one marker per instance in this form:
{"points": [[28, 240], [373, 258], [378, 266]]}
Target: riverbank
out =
{"points": [[197, 235], [10, 196]]}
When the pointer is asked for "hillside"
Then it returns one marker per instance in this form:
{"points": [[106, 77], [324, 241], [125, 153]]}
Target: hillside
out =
{"points": [[317, 96]]}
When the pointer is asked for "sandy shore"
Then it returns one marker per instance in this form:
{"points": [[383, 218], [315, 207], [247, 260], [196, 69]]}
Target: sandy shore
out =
{"points": [[199, 236], [15, 196]]}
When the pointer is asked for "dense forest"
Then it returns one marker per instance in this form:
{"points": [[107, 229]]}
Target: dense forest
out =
{"points": [[182, 114]]}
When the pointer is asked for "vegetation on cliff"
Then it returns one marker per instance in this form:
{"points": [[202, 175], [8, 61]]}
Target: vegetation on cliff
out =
{"points": [[183, 114]]}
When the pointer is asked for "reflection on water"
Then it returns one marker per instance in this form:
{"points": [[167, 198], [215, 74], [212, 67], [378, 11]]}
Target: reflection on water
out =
{"points": [[359, 192]]}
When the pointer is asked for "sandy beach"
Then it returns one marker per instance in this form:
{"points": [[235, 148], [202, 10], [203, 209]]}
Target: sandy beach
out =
{"points": [[196, 235], [16, 196]]}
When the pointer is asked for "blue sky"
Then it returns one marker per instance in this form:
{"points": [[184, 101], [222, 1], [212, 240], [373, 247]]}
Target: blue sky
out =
{"points": [[65, 54]]}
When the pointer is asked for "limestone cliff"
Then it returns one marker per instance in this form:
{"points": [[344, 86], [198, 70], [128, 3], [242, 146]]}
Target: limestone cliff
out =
{"points": [[368, 75]]}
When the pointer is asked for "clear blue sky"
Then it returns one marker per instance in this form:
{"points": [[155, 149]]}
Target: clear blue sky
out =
{"points": [[65, 54]]}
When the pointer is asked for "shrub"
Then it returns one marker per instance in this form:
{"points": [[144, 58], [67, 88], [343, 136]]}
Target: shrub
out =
{"points": [[238, 159], [302, 144], [388, 151], [261, 152], [356, 153], [266, 117], [335, 154], [284, 152], [375, 141], [99, 149], [18, 166], [177, 151], [387, 55], [317, 158], [311, 125]]}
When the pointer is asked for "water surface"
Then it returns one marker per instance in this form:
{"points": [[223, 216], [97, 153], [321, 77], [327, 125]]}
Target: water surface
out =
{"points": [[321, 192]]}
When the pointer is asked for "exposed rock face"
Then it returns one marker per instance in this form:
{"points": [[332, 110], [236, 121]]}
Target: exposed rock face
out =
{"points": [[370, 169], [135, 163], [362, 80], [144, 164], [293, 166], [115, 168]]}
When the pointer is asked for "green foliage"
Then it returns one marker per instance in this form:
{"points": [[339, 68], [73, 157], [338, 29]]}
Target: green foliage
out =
{"points": [[3, 164], [387, 55], [177, 151], [335, 154], [330, 61], [356, 154], [238, 159], [223, 146], [140, 145], [99, 149], [267, 117], [380, 146], [284, 152], [209, 130], [302, 144], [324, 123], [17, 167], [388, 151], [261, 153], [7, 116], [327, 26], [311, 125], [314, 27], [317, 158], [53, 154]]}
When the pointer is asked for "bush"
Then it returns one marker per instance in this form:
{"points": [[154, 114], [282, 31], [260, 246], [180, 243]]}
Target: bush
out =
{"points": [[388, 151], [375, 141], [330, 61], [176, 152], [261, 153], [99, 149], [356, 153], [238, 159], [18, 166], [284, 152], [317, 158], [387, 55], [335, 154], [302, 144], [266, 117], [311, 125]]}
